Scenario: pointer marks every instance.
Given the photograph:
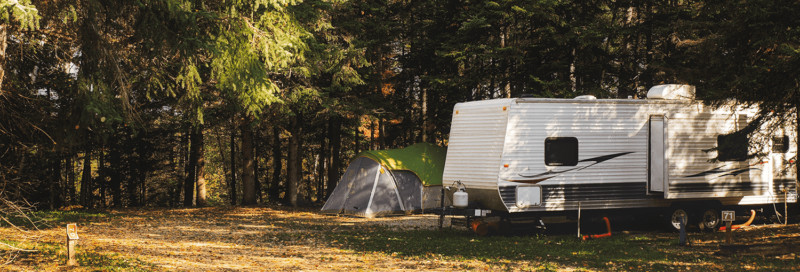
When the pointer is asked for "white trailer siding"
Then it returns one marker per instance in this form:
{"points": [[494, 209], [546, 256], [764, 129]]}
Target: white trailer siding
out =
{"points": [[497, 146], [689, 135], [601, 128], [476, 143]]}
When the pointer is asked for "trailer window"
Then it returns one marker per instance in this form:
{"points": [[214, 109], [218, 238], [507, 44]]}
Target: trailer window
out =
{"points": [[732, 147], [780, 144], [561, 151]]}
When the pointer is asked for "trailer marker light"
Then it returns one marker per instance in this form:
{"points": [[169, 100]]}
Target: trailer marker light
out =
{"points": [[504, 108], [456, 112], [505, 165]]}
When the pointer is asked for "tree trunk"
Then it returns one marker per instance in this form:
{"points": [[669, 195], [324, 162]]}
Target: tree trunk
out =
{"points": [[425, 113], [190, 171], [295, 166], [201, 167], [321, 164], [183, 155], [55, 180], [381, 131], [101, 171], [335, 136], [3, 46], [86, 179], [277, 164], [256, 153], [143, 189], [64, 182], [232, 184], [797, 140], [116, 184], [372, 140], [71, 179], [249, 192], [357, 138]]}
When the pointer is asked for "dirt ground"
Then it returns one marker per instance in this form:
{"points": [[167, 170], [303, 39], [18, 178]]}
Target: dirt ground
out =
{"points": [[230, 239], [269, 239]]}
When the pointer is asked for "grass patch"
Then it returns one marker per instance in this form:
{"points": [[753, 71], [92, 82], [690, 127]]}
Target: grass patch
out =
{"points": [[55, 218], [111, 262], [616, 252], [49, 256]]}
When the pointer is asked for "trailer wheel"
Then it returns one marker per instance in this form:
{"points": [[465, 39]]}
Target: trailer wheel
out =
{"points": [[674, 219], [710, 219]]}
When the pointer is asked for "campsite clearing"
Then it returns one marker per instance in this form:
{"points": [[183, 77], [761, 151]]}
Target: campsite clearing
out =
{"points": [[280, 238]]}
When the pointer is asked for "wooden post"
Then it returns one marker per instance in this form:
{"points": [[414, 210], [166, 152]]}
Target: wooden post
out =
{"points": [[727, 217], [728, 232], [72, 239]]}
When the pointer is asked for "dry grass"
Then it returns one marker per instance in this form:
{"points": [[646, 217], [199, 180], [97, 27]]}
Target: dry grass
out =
{"points": [[222, 239], [285, 239]]}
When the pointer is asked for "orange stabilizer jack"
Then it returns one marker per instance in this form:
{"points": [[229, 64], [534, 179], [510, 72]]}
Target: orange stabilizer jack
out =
{"points": [[595, 236], [749, 221], [479, 227]]}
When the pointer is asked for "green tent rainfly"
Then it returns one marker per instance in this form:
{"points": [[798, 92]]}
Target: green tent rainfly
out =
{"points": [[385, 182]]}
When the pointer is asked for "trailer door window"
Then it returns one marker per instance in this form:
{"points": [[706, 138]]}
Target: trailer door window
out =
{"points": [[732, 147], [561, 151]]}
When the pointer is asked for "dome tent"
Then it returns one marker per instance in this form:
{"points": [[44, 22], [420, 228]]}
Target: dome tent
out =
{"points": [[385, 182]]}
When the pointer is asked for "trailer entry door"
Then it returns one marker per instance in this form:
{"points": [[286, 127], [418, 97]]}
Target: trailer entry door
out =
{"points": [[658, 147]]}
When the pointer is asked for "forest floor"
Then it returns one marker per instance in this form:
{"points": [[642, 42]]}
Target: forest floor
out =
{"points": [[294, 239]]}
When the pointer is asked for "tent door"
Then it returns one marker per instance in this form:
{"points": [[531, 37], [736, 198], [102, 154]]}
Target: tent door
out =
{"points": [[396, 190], [658, 162], [374, 185], [382, 170]]}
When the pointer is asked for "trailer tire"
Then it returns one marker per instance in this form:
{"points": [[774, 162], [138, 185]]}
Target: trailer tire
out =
{"points": [[710, 219], [673, 219]]}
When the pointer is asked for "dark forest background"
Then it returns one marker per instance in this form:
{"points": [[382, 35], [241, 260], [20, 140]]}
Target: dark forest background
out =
{"points": [[180, 103]]}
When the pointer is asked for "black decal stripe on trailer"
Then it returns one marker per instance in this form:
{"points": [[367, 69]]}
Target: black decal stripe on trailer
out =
{"points": [[536, 178], [756, 187], [723, 172]]}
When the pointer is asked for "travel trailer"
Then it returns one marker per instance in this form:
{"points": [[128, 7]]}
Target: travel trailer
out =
{"points": [[667, 153]]}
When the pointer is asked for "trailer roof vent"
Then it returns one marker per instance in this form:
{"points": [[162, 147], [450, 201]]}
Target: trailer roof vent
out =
{"points": [[671, 92], [586, 97]]}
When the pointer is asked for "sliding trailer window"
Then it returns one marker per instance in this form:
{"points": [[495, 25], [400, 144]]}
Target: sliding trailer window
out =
{"points": [[780, 144], [561, 151]]}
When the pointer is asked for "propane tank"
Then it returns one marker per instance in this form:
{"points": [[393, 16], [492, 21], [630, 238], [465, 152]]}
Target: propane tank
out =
{"points": [[460, 199]]}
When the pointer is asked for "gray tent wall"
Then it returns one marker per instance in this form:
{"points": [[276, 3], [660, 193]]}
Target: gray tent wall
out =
{"points": [[368, 189]]}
